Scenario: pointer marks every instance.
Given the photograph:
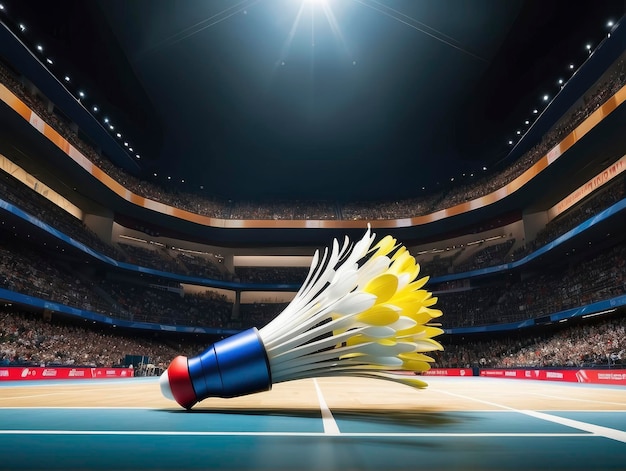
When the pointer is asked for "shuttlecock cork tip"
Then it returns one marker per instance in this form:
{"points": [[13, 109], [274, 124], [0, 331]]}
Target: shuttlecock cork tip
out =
{"points": [[176, 383]]}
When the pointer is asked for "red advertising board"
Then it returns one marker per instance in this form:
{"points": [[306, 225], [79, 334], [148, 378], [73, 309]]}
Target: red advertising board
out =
{"points": [[448, 372], [572, 376], [17, 373]]}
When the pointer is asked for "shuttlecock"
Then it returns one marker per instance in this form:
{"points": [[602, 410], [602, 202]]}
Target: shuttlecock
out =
{"points": [[360, 312]]}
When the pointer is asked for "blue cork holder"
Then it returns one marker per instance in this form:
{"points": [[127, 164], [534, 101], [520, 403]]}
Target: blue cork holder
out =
{"points": [[235, 366]]}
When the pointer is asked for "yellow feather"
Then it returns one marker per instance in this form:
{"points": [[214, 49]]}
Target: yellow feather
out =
{"points": [[413, 286], [383, 287], [416, 357], [379, 314], [415, 365], [419, 331], [430, 301], [384, 246]]}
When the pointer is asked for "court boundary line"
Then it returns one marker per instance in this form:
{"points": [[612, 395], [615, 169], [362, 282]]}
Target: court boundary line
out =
{"points": [[596, 430], [328, 421]]}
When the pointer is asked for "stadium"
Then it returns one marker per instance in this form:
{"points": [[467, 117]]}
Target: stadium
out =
{"points": [[171, 172]]}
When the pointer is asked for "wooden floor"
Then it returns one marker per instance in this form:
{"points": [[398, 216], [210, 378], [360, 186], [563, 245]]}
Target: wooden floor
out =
{"points": [[442, 394]]}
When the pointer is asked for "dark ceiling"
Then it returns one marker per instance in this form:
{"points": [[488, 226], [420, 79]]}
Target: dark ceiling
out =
{"points": [[333, 100]]}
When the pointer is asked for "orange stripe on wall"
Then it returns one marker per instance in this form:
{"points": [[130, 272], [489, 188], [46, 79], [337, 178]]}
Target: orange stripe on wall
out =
{"points": [[14, 102]]}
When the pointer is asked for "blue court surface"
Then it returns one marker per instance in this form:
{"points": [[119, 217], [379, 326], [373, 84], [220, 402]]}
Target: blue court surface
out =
{"points": [[494, 436]]}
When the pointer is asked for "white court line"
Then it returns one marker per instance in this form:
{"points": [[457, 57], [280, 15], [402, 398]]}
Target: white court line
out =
{"points": [[598, 430], [330, 426], [606, 432], [283, 434], [575, 399]]}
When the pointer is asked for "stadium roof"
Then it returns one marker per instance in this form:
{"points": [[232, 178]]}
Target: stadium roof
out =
{"points": [[326, 99]]}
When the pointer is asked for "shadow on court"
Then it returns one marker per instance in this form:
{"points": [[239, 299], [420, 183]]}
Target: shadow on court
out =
{"points": [[405, 418]]}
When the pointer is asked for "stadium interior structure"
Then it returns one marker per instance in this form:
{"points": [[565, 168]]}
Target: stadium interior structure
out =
{"points": [[516, 257]]}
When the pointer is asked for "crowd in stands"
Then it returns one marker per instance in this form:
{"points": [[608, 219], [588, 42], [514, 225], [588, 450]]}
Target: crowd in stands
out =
{"points": [[587, 281], [373, 210], [439, 264], [157, 304], [588, 344], [170, 260], [159, 259], [259, 314], [201, 266], [489, 256], [33, 273], [28, 272], [287, 210], [28, 339], [612, 81]]}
